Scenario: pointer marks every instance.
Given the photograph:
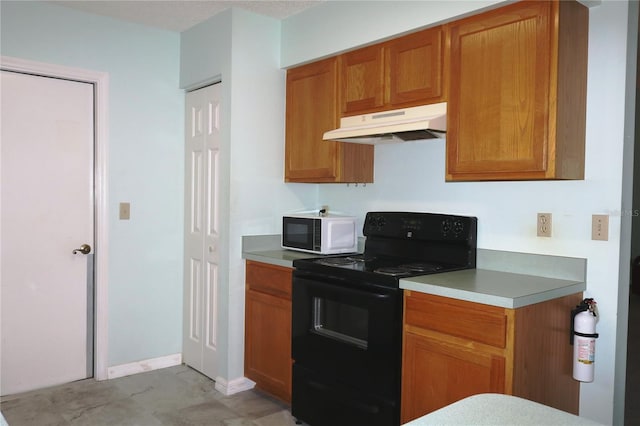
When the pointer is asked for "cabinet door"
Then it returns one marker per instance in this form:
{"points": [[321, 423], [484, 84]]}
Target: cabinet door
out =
{"points": [[312, 109], [312, 93], [415, 68], [268, 343], [437, 373], [362, 73], [499, 94]]}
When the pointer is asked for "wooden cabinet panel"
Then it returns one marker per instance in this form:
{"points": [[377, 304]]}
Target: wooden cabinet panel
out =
{"points": [[499, 94], [268, 328], [269, 279], [442, 362], [517, 102], [416, 68], [480, 323], [404, 72], [362, 80], [268, 343], [436, 374], [311, 110], [543, 367]]}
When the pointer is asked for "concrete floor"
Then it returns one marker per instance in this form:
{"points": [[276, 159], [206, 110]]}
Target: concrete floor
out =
{"points": [[181, 396], [174, 396]]}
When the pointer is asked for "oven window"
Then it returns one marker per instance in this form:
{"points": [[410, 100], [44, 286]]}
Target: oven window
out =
{"points": [[340, 321]]}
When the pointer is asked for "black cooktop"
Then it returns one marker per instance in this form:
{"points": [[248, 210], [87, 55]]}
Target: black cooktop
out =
{"points": [[401, 245], [384, 266], [378, 271]]}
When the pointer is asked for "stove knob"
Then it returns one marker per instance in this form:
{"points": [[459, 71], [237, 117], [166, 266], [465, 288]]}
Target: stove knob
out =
{"points": [[376, 222], [446, 226], [458, 227]]}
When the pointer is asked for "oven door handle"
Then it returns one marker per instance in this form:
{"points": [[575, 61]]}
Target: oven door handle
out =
{"points": [[345, 284]]}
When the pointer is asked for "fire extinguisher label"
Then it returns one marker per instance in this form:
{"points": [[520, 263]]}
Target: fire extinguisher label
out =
{"points": [[586, 350]]}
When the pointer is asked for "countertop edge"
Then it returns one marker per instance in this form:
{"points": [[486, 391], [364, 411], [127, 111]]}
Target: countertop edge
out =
{"points": [[494, 299], [257, 257]]}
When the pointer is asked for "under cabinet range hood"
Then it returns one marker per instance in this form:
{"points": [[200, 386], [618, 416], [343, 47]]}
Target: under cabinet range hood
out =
{"points": [[400, 125]]}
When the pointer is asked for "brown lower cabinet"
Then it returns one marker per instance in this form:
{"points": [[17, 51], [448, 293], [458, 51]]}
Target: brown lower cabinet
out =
{"points": [[267, 358], [454, 349], [451, 348]]}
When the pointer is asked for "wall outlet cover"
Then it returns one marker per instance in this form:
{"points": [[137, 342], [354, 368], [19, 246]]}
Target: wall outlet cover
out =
{"points": [[600, 227], [544, 225]]}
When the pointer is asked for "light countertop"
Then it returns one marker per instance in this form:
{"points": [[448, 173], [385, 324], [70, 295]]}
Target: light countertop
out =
{"points": [[502, 278], [279, 257], [495, 409], [497, 288], [267, 249]]}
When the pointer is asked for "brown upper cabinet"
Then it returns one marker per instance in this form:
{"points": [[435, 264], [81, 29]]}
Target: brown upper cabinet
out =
{"points": [[312, 109], [517, 93], [403, 72]]}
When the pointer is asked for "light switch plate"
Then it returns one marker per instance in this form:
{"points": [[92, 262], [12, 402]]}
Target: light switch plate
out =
{"points": [[125, 211]]}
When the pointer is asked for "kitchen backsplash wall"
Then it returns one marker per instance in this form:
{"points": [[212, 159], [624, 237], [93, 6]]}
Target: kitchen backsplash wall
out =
{"points": [[410, 176]]}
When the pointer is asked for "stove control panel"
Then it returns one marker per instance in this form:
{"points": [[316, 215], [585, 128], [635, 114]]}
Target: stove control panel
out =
{"points": [[453, 226], [420, 226]]}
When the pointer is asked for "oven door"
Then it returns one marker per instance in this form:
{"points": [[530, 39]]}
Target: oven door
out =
{"points": [[347, 332]]}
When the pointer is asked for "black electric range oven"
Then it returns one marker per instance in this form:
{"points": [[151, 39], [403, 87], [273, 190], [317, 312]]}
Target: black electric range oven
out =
{"points": [[347, 316]]}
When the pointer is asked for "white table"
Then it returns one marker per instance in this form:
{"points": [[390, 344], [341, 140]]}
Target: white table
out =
{"points": [[496, 409]]}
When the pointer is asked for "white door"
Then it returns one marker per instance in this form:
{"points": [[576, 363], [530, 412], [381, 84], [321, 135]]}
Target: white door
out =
{"points": [[46, 211], [202, 233]]}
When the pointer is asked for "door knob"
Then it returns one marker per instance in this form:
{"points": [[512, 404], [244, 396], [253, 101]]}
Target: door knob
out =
{"points": [[84, 249]]}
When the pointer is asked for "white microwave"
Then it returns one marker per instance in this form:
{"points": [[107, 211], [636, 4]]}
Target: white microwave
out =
{"points": [[331, 234]]}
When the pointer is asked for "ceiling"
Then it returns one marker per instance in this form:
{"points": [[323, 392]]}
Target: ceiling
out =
{"points": [[179, 15]]}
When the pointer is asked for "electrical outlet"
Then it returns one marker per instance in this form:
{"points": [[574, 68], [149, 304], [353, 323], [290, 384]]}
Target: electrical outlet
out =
{"points": [[544, 225], [600, 227], [125, 211]]}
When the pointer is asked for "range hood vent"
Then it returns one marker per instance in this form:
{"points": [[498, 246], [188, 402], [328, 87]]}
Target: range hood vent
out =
{"points": [[400, 125]]}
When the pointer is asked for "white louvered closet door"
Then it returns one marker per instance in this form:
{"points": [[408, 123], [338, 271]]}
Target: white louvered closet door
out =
{"points": [[202, 233]]}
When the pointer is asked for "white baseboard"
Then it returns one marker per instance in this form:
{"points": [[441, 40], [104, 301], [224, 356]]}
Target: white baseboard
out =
{"points": [[144, 365], [233, 386]]}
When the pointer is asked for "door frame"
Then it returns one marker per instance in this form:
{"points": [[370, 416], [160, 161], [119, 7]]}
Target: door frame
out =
{"points": [[100, 81]]}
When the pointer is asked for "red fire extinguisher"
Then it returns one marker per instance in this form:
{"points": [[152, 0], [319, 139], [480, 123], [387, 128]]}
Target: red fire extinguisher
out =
{"points": [[584, 337]]}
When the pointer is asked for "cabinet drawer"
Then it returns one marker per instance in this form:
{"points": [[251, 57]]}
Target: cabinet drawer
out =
{"points": [[269, 279], [480, 323]]}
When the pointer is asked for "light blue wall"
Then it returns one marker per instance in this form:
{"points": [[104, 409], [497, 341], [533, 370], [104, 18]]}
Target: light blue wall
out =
{"points": [[242, 50], [410, 176], [335, 26], [205, 52], [145, 139]]}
